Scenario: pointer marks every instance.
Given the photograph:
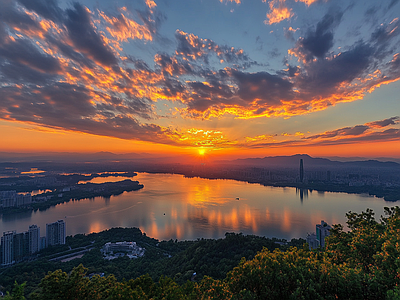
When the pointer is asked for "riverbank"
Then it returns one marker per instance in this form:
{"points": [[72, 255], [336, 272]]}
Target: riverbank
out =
{"points": [[76, 192]]}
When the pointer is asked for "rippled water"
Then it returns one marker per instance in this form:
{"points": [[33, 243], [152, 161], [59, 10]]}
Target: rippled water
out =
{"points": [[172, 206]]}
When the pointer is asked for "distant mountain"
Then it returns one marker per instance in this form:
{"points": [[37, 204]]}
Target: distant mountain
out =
{"points": [[313, 162], [357, 158], [148, 158]]}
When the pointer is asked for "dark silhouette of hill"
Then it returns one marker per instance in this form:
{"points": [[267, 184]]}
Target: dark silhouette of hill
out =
{"points": [[310, 162], [149, 158]]}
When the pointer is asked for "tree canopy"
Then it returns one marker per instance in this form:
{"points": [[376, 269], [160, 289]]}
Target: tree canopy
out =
{"points": [[361, 263]]}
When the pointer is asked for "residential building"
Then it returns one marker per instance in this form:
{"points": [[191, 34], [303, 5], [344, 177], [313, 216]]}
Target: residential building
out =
{"points": [[34, 239], [21, 246], [7, 248], [55, 233]]}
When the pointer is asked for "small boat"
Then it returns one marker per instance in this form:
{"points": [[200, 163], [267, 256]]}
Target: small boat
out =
{"points": [[237, 198]]}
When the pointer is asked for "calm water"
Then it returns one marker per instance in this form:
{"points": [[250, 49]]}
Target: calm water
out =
{"points": [[172, 206]]}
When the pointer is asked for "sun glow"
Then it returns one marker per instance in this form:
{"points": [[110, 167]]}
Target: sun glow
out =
{"points": [[202, 151]]}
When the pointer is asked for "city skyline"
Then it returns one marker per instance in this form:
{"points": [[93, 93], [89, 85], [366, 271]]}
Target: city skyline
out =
{"points": [[211, 78]]}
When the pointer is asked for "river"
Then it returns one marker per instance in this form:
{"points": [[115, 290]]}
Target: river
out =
{"points": [[171, 206]]}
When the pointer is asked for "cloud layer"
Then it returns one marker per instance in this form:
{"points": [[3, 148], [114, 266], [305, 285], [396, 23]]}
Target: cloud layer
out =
{"points": [[73, 68]]}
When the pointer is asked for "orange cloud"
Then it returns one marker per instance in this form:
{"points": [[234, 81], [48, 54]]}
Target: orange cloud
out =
{"points": [[151, 4], [123, 28], [235, 1], [278, 12], [74, 75], [201, 138], [307, 2]]}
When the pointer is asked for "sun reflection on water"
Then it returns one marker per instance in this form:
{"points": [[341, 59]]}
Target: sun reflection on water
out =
{"points": [[175, 207]]}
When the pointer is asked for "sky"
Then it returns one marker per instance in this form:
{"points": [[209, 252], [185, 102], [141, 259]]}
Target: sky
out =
{"points": [[223, 78]]}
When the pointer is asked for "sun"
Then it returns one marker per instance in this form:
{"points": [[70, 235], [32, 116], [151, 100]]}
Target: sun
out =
{"points": [[202, 151]]}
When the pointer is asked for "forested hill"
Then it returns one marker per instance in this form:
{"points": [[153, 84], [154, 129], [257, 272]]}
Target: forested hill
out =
{"points": [[175, 259], [363, 263]]}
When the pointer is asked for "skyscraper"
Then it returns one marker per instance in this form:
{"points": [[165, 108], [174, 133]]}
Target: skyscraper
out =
{"points": [[55, 233], [20, 246], [7, 247], [301, 170], [34, 239]]}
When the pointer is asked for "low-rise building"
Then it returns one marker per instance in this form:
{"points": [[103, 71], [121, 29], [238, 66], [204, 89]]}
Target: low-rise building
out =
{"points": [[118, 249]]}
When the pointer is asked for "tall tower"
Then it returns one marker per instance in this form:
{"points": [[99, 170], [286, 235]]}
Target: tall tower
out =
{"points": [[55, 233], [301, 170]]}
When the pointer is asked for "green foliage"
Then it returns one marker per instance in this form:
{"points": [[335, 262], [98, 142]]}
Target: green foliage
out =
{"points": [[393, 294], [17, 292], [363, 263]]}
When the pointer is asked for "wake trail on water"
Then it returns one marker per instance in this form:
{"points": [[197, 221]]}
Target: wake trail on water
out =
{"points": [[102, 209]]}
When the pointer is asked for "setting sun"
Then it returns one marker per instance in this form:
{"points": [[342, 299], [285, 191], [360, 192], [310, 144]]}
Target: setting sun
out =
{"points": [[202, 151]]}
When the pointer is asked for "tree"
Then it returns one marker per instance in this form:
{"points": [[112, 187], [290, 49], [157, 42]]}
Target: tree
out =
{"points": [[17, 292]]}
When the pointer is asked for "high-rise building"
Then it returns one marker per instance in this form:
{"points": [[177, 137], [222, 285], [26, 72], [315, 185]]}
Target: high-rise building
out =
{"points": [[301, 170], [43, 243], [322, 231], [21, 246], [7, 248], [34, 239], [55, 233]]}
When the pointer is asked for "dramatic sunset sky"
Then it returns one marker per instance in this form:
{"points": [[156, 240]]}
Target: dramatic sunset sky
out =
{"points": [[238, 77]]}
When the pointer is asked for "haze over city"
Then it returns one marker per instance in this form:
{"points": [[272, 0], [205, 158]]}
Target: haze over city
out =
{"points": [[220, 79]]}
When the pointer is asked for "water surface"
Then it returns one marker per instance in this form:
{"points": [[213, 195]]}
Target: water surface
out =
{"points": [[171, 206]]}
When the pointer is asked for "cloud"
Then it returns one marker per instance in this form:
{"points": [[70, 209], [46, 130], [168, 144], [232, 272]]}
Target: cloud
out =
{"points": [[278, 12], [173, 66], [226, 1], [382, 37], [307, 2], [69, 107], [122, 27], [263, 88], [24, 52], [47, 9], [192, 47], [368, 132], [67, 68], [359, 133], [318, 42], [83, 34], [65, 76], [384, 123], [289, 33], [196, 137], [331, 76], [356, 130], [151, 4]]}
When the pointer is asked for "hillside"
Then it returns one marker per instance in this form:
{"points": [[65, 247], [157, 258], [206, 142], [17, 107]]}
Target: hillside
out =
{"points": [[363, 263]]}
